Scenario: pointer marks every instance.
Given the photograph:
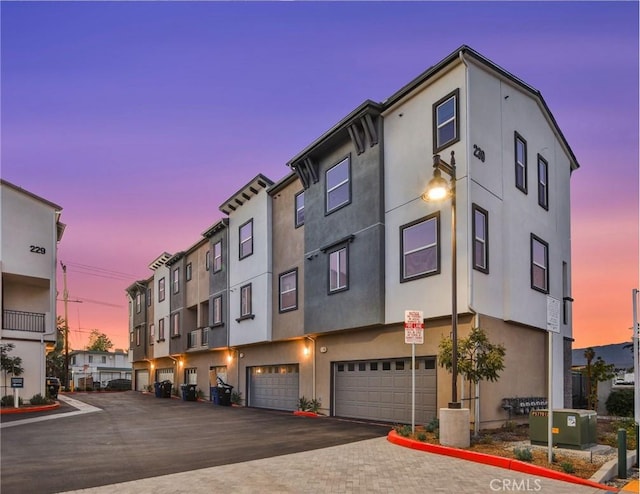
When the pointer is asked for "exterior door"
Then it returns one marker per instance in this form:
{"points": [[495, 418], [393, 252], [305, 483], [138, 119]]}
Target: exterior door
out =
{"points": [[274, 386]]}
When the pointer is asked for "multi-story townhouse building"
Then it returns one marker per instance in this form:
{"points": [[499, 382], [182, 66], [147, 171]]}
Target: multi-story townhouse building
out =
{"points": [[94, 368], [30, 231], [321, 269]]}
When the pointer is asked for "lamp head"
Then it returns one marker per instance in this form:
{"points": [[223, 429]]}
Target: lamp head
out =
{"points": [[437, 188]]}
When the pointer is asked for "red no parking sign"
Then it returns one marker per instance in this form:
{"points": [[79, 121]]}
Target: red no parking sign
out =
{"points": [[413, 327]]}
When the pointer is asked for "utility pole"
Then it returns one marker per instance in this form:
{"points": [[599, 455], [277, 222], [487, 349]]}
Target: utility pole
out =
{"points": [[65, 297]]}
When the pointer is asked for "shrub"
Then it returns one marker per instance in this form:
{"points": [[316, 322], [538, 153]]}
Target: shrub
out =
{"points": [[523, 454], [236, 398], [314, 405], [7, 401], [403, 430], [567, 467], [486, 439], [39, 400], [303, 404], [433, 425], [422, 436], [620, 403]]}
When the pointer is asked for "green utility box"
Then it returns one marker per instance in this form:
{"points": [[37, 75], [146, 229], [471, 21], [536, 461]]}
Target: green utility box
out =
{"points": [[572, 429]]}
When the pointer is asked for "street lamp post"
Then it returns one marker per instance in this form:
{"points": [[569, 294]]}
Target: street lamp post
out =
{"points": [[438, 189]]}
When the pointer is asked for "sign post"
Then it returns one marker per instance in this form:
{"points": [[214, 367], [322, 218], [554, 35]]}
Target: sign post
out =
{"points": [[413, 333], [553, 326], [16, 384]]}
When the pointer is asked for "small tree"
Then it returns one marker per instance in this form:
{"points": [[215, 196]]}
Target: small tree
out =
{"points": [[55, 358], [99, 342], [596, 372], [10, 365]]}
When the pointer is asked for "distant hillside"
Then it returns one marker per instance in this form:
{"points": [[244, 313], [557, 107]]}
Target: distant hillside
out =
{"points": [[621, 358]]}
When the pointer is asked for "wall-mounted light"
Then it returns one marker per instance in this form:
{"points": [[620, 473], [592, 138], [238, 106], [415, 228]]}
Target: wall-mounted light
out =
{"points": [[229, 357], [323, 349], [306, 351], [241, 355], [181, 363]]}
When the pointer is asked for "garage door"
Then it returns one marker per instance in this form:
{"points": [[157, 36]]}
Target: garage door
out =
{"points": [[381, 389], [142, 380], [274, 386], [165, 374]]}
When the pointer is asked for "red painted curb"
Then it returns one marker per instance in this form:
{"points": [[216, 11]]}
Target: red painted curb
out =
{"points": [[496, 461], [305, 414], [40, 408]]}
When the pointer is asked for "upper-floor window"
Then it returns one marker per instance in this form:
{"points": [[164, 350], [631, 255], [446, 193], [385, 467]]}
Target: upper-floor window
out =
{"points": [[480, 234], [289, 291], [338, 179], [73, 360], [138, 302], [338, 270], [446, 125], [245, 301], [175, 324], [90, 359], [217, 256], [176, 280], [152, 333], [539, 264], [543, 182], [103, 359], [246, 239], [161, 329], [160, 289], [137, 336], [188, 272], [521, 162], [149, 296], [299, 212], [193, 339], [204, 340], [217, 310], [420, 247], [207, 260]]}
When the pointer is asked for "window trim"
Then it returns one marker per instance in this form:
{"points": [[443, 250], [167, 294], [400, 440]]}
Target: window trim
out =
{"points": [[175, 280], [249, 314], [138, 302], [545, 289], [161, 289], [215, 323], [207, 260], [192, 337], [175, 325], [204, 341], [188, 271], [543, 200], [477, 209], [347, 160], [152, 333], [525, 166], [217, 266], [433, 216], [149, 297], [160, 329], [296, 222], [330, 252], [456, 119], [295, 305], [240, 242]]}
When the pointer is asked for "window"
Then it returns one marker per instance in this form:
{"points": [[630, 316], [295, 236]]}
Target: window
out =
{"points": [[521, 162], [217, 256], [338, 185], [138, 302], [204, 341], [543, 182], [176, 280], [161, 330], [149, 296], [246, 239], [175, 324], [90, 359], [207, 260], [103, 359], [217, 310], [299, 213], [445, 121], [539, 264], [73, 360], [289, 291], [193, 339], [338, 270], [420, 247], [137, 336], [160, 289], [480, 239], [152, 333], [245, 301], [187, 272]]}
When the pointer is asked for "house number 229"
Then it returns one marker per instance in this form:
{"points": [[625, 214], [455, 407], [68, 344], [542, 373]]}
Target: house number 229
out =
{"points": [[478, 153], [37, 250]]}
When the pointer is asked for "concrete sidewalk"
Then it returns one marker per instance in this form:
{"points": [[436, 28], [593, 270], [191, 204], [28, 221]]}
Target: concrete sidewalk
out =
{"points": [[373, 465]]}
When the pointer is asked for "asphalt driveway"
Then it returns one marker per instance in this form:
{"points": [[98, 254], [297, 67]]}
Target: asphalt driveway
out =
{"points": [[137, 436]]}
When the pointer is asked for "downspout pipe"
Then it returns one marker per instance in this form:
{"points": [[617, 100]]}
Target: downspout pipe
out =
{"points": [[313, 366]]}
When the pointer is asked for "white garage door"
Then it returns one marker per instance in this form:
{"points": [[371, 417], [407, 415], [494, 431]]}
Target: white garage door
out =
{"points": [[142, 380], [274, 386], [381, 389], [165, 375]]}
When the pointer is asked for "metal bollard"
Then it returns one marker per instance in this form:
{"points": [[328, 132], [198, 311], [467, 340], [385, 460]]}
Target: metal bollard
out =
{"points": [[622, 454]]}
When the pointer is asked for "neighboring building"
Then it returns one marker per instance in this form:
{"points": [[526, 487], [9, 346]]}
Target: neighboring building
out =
{"points": [[30, 231], [92, 368], [320, 269]]}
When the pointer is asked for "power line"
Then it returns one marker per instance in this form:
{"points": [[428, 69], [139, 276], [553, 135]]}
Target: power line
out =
{"points": [[96, 268]]}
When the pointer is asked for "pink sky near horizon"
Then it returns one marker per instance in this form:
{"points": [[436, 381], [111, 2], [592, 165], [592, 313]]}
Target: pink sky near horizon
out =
{"points": [[140, 119]]}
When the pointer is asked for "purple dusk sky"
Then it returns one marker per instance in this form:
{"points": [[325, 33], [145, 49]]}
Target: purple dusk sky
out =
{"points": [[140, 118]]}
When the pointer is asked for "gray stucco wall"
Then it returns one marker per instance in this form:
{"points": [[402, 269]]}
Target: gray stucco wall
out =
{"points": [[218, 282]]}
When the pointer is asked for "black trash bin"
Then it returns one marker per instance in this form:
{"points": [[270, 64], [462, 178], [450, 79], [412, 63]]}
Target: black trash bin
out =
{"points": [[53, 386], [189, 392], [224, 394], [165, 386]]}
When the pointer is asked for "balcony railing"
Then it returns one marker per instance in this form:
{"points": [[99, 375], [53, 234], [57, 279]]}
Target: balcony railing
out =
{"points": [[23, 321]]}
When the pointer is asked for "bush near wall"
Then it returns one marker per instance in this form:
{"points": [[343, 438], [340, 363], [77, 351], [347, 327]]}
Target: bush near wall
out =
{"points": [[620, 403]]}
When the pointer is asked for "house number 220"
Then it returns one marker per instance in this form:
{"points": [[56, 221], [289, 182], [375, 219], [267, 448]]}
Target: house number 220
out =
{"points": [[37, 250], [478, 153]]}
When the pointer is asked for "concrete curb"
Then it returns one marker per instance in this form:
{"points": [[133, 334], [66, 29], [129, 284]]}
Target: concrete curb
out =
{"points": [[496, 461], [609, 469], [39, 408], [302, 413]]}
